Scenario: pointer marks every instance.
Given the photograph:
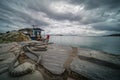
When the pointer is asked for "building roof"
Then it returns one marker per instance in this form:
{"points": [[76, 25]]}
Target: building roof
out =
{"points": [[30, 29], [26, 29], [38, 29]]}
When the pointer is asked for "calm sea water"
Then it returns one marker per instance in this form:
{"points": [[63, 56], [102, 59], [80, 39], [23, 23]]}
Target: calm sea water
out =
{"points": [[107, 44]]}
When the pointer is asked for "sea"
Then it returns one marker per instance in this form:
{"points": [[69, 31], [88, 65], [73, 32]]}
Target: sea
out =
{"points": [[110, 45]]}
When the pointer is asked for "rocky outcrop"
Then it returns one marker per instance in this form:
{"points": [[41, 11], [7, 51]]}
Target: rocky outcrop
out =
{"points": [[13, 37]]}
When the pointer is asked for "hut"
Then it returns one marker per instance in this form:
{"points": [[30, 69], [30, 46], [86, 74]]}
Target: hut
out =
{"points": [[37, 33], [34, 33]]}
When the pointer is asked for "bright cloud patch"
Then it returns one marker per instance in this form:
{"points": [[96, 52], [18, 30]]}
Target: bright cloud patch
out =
{"points": [[64, 7]]}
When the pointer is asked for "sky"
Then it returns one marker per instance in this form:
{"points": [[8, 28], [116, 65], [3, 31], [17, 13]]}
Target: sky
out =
{"points": [[67, 17]]}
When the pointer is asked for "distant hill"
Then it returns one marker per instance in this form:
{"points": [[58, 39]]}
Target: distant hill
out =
{"points": [[113, 35]]}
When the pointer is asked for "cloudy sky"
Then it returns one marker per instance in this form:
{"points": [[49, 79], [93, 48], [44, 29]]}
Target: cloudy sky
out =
{"points": [[79, 17]]}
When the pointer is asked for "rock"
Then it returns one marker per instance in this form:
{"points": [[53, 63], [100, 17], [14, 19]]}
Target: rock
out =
{"points": [[7, 55], [96, 65], [22, 69], [31, 56], [36, 75], [99, 55], [60, 63], [9, 47], [7, 52], [39, 48], [54, 58]]}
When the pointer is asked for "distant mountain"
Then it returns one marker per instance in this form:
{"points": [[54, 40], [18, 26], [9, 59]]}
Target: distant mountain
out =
{"points": [[113, 35]]}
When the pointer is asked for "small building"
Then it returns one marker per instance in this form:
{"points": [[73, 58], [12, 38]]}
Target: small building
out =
{"points": [[34, 32], [37, 33]]}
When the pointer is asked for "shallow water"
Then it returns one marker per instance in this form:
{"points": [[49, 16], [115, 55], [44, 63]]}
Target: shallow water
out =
{"points": [[107, 44]]}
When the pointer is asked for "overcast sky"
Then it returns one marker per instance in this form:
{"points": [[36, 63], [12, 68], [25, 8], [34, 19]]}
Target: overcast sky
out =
{"points": [[81, 17]]}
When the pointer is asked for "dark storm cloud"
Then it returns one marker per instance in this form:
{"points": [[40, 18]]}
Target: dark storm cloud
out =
{"points": [[28, 19], [11, 14], [107, 26], [91, 4], [108, 9], [98, 14]]}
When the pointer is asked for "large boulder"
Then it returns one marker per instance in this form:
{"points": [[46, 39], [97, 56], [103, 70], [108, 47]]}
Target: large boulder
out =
{"points": [[22, 69], [36, 75]]}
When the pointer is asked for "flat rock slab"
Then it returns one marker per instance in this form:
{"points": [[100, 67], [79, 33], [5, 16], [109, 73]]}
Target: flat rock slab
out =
{"points": [[99, 55], [96, 65], [54, 58]]}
